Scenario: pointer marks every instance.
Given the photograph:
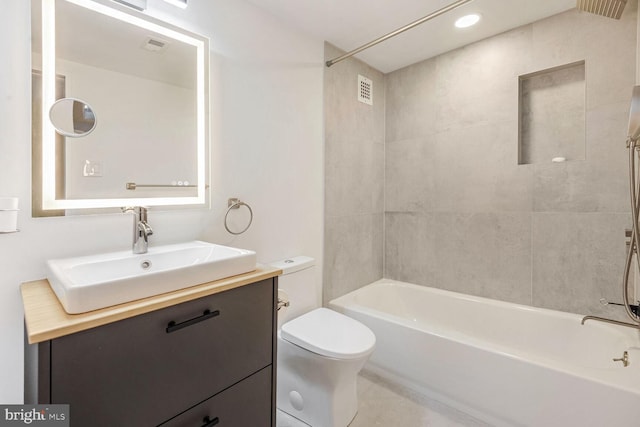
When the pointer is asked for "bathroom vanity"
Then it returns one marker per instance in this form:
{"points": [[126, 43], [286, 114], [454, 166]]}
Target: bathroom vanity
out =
{"points": [[200, 356]]}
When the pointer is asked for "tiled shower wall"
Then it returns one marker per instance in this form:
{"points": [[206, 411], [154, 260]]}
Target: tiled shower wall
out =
{"points": [[354, 180], [460, 213]]}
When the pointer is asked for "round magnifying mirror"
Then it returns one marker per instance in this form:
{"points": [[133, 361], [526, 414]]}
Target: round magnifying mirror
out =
{"points": [[72, 117]]}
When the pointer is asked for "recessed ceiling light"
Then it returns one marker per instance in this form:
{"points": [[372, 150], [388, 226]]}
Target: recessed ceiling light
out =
{"points": [[467, 20]]}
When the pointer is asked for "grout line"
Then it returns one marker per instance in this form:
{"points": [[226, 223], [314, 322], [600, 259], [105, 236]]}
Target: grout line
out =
{"points": [[531, 261]]}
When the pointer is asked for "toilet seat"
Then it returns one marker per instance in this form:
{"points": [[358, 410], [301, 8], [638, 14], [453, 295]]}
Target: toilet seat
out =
{"points": [[329, 334]]}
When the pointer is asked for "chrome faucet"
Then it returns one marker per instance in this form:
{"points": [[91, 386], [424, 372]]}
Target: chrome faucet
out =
{"points": [[141, 229]]}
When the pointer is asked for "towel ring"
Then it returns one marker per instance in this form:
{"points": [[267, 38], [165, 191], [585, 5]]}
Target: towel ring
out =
{"points": [[235, 204]]}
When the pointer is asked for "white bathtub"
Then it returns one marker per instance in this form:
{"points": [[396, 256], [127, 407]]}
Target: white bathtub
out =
{"points": [[506, 364]]}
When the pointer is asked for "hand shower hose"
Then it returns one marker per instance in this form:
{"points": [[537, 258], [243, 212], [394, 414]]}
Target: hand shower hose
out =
{"points": [[634, 192]]}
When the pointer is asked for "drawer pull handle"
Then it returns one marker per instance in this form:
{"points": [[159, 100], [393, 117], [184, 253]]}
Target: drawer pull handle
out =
{"points": [[208, 314], [210, 422]]}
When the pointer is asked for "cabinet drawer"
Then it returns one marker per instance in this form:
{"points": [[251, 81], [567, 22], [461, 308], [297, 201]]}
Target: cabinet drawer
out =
{"points": [[145, 370], [247, 403]]}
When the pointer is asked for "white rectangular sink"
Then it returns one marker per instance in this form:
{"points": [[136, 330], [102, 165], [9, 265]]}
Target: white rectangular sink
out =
{"points": [[92, 282]]}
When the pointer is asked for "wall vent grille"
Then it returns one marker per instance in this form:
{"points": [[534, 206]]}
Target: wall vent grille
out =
{"points": [[365, 90], [155, 45]]}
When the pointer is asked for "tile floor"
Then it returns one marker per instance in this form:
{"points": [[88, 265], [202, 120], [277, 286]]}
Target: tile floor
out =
{"points": [[384, 404]]}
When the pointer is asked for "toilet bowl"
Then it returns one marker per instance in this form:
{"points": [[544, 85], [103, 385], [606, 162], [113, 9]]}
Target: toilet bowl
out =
{"points": [[319, 356]]}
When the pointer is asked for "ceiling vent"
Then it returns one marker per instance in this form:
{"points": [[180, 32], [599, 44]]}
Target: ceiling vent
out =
{"points": [[365, 90], [154, 44], [136, 4]]}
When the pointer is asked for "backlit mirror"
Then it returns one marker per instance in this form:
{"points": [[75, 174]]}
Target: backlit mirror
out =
{"points": [[146, 82]]}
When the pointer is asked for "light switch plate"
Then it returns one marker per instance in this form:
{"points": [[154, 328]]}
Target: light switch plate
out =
{"points": [[92, 169]]}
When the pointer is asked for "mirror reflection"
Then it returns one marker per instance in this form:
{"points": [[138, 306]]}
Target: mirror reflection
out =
{"points": [[145, 80], [72, 117]]}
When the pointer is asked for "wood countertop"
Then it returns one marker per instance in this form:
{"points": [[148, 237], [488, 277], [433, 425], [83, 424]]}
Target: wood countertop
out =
{"points": [[45, 318]]}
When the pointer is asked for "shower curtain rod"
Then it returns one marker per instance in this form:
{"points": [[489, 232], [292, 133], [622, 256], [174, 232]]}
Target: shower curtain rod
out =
{"points": [[398, 31]]}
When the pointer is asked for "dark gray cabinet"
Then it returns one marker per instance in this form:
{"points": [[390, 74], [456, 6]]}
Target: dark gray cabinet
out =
{"points": [[246, 404], [211, 357]]}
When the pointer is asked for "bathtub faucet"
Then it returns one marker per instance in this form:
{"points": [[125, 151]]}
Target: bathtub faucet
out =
{"points": [[615, 322]]}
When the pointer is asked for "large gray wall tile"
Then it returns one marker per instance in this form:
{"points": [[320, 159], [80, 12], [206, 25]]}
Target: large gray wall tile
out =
{"points": [[485, 254], [411, 102], [353, 253], [478, 83], [411, 248], [354, 178], [477, 170], [410, 174], [579, 258], [597, 184]]}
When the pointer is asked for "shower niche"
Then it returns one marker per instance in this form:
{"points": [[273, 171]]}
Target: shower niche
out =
{"points": [[551, 117]]}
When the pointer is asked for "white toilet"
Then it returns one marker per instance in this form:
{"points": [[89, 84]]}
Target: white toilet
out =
{"points": [[319, 356]]}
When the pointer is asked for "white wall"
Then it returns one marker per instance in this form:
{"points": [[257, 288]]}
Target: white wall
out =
{"points": [[266, 148]]}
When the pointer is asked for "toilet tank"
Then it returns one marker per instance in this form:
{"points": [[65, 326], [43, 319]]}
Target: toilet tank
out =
{"points": [[298, 281]]}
